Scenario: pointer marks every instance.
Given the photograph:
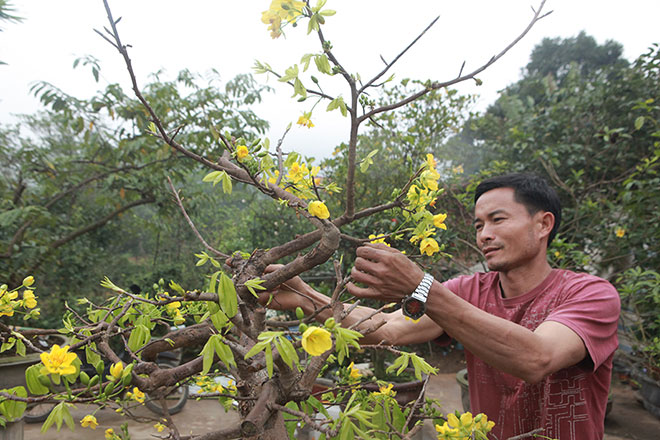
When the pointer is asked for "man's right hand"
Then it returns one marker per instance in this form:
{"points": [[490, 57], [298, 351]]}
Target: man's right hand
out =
{"points": [[288, 295]]}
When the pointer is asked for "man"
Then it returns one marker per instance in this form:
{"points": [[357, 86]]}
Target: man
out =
{"points": [[539, 341]]}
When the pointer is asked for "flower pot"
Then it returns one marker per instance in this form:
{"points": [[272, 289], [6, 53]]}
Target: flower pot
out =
{"points": [[12, 431], [461, 378], [650, 392]]}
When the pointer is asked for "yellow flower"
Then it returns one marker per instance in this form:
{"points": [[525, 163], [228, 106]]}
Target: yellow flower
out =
{"points": [[316, 341], [620, 232], [558, 255], [439, 221], [297, 172], [305, 120], [354, 373], [374, 239], [318, 209], [159, 427], [453, 420], [457, 169], [29, 300], [172, 306], [429, 179], [430, 161], [466, 419], [6, 310], [89, 421], [58, 361], [280, 10], [386, 391], [116, 370], [110, 434], [28, 281], [242, 152], [429, 246], [136, 395]]}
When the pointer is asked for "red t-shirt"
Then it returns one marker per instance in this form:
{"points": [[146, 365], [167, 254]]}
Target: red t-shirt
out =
{"points": [[569, 404]]}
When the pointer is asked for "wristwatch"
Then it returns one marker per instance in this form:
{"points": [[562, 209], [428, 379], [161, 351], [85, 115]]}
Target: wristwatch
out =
{"points": [[414, 305]]}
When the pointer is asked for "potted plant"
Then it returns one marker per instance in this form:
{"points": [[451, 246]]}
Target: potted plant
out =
{"points": [[640, 295]]}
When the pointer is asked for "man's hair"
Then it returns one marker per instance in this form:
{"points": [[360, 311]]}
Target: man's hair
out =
{"points": [[530, 190]]}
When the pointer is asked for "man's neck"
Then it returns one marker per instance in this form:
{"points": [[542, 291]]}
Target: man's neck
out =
{"points": [[521, 280]]}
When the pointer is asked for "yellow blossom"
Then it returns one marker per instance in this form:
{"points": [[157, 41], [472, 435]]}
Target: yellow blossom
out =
{"points": [[28, 281], [297, 172], [58, 361], [316, 341], [116, 371], [439, 221], [377, 239], [305, 120], [429, 246], [89, 421], [110, 434], [620, 232], [242, 152], [429, 179], [457, 169], [280, 10], [172, 306], [159, 427], [318, 209], [136, 395], [354, 373], [386, 391], [29, 299], [430, 161], [466, 419], [6, 310]]}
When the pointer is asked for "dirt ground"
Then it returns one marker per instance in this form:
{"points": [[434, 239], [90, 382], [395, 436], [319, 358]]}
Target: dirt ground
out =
{"points": [[627, 421]]}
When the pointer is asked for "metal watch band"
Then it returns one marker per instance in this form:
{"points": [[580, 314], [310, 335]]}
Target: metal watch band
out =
{"points": [[422, 290]]}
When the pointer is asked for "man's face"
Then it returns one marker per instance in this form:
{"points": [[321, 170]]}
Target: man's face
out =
{"points": [[508, 236]]}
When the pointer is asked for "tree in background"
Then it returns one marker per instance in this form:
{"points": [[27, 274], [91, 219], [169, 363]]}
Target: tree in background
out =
{"points": [[586, 119], [75, 174]]}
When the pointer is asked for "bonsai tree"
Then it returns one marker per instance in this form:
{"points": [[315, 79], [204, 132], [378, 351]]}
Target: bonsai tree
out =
{"points": [[272, 367]]}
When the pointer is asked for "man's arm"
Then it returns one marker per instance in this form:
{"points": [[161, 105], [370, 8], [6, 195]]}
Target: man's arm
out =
{"points": [[389, 328], [507, 346]]}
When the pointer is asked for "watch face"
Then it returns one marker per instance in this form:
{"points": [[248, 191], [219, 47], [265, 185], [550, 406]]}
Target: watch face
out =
{"points": [[413, 308]]}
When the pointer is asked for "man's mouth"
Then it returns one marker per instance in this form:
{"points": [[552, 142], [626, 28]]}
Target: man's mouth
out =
{"points": [[489, 250]]}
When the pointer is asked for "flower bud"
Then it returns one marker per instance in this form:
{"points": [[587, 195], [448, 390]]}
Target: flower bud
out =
{"points": [[302, 327], [330, 323], [299, 313], [28, 281]]}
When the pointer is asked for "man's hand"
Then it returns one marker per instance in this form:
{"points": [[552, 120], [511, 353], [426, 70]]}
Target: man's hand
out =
{"points": [[288, 295], [389, 275]]}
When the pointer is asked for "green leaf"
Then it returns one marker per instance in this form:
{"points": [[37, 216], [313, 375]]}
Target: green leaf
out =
{"points": [[255, 284], [226, 183], [322, 64], [213, 281], [13, 409], [258, 347], [639, 122], [140, 335], [207, 353], [34, 385], [227, 296], [289, 74], [269, 360], [219, 320], [210, 177]]}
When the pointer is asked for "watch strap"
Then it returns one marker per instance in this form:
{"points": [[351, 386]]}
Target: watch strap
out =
{"points": [[422, 290]]}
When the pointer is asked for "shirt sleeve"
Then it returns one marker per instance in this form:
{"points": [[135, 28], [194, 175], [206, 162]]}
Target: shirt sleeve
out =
{"points": [[590, 307]]}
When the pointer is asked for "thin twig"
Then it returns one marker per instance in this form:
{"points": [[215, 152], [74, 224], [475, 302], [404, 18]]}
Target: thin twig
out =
{"points": [[191, 224]]}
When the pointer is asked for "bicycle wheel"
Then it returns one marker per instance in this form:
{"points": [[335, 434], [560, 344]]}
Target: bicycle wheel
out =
{"points": [[175, 400], [37, 412]]}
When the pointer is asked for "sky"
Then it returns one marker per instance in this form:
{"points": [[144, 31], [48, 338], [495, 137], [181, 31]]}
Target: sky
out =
{"points": [[228, 36]]}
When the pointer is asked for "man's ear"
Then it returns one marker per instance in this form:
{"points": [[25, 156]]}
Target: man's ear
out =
{"points": [[545, 223]]}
